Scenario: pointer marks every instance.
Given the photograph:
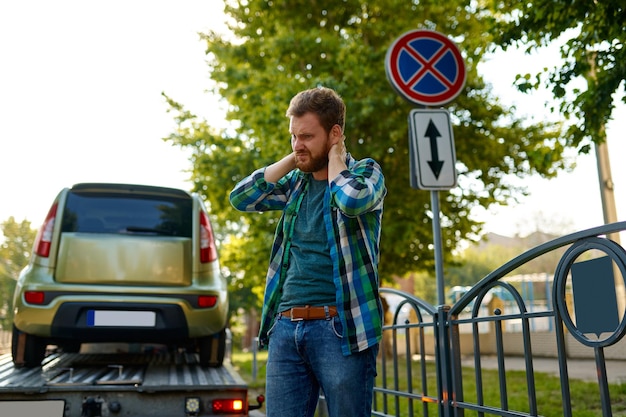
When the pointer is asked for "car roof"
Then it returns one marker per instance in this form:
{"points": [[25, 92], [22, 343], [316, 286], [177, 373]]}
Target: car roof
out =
{"points": [[129, 188]]}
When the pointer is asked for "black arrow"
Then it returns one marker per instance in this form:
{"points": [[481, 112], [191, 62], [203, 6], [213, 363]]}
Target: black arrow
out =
{"points": [[432, 133]]}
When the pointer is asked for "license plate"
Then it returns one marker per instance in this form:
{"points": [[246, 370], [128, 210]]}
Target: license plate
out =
{"points": [[51, 408], [96, 318]]}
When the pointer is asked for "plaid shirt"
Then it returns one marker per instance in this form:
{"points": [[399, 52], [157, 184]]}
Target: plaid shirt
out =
{"points": [[353, 212]]}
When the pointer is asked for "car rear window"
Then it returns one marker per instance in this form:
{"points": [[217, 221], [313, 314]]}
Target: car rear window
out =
{"points": [[125, 213]]}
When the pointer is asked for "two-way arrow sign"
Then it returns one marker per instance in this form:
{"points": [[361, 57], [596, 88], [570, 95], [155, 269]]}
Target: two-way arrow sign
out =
{"points": [[431, 145]]}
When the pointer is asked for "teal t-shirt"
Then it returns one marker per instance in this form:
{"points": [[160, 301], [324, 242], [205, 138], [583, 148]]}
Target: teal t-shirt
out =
{"points": [[309, 279]]}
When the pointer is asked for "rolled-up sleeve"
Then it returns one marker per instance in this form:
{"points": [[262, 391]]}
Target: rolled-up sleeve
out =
{"points": [[254, 193]]}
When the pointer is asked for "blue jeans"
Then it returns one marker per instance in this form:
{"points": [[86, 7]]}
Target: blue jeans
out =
{"points": [[305, 356]]}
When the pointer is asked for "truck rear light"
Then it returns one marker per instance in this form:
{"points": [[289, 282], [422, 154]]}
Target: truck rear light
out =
{"points": [[207, 301], [227, 406], [44, 235], [34, 297], [208, 251], [192, 406]]}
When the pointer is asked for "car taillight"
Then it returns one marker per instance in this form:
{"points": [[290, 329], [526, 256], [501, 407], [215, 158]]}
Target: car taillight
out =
{"points": [[207, 301], [225, 406], [34, 297], [44, 235], [208, 251]]}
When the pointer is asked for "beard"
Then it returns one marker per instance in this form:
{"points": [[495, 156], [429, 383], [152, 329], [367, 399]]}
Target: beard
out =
{"points": [[314, 163]]}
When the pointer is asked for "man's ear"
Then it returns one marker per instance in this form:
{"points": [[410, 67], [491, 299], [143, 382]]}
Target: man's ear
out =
{"points": [[335, 134]]}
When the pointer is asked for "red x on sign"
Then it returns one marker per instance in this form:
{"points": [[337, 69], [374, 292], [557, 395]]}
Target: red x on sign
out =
{"points": [[425, 67]]}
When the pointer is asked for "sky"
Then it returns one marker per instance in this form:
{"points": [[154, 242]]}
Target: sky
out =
{"points": [[80, 101]]}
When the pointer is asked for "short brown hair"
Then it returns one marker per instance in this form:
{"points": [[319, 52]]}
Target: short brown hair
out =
{"points": [[324, 102]]}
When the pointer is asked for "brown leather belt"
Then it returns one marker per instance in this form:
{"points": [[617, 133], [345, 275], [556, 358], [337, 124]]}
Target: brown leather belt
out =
{"points": [[310, 313]]}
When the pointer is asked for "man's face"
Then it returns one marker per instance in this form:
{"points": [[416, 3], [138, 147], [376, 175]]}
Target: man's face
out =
{"points": [[310, 142]]}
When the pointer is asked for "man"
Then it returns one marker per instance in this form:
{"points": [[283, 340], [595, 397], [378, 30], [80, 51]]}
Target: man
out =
{"points": [[322, 316]]}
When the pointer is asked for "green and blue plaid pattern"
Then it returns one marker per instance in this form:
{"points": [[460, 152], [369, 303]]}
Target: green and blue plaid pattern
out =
{"points": [[353, 213]]}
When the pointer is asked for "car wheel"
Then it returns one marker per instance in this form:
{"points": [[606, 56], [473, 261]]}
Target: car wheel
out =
{"points": [[212, 349], [27, 350]]}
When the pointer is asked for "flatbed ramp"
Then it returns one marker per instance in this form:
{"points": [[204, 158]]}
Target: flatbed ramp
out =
{"points": [[160, 385]]}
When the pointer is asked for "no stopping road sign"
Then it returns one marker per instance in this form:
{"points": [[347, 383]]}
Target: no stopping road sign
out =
{"points": [[425, 67]]}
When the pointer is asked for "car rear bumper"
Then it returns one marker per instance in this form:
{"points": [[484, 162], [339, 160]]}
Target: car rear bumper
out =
{"points": [[119, 322], [66, 315]]}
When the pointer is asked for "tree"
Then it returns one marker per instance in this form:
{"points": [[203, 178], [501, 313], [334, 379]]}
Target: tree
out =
{"points": [[594, 34], [15, 252], [278, 48]]}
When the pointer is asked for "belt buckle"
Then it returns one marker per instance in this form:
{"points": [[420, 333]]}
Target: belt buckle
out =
{"points": [[295, 318]]}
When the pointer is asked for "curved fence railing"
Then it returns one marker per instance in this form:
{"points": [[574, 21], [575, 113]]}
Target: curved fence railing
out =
{"points": [[433, 360], [402, 385]]}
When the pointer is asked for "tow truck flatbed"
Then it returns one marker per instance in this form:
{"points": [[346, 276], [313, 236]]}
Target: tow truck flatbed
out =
{"points": [[128, 384]]}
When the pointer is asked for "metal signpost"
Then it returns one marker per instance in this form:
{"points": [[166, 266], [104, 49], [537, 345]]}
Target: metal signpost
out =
{"points": [[427, 68]]}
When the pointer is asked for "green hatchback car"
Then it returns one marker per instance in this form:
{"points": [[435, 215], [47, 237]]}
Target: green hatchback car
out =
{"points": [[122, 263]]}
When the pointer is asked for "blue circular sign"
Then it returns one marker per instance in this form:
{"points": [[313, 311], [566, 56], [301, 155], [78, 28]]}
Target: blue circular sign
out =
{"points": [[425, 67]]}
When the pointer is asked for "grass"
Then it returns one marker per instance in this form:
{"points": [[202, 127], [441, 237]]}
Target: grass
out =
{"points": [[585, 396], [244, 364]]}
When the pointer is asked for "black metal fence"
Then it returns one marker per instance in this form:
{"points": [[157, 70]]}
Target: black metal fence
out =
{"points": [[433, 358]]}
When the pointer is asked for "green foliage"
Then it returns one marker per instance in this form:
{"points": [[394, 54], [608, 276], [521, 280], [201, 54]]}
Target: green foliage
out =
{"points": [[15, 252], [425, 286], [253, 372], [594, 34], [278, 48], [475, 262]]}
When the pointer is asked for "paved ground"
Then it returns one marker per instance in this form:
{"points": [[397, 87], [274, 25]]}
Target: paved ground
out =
{"points": [[584, 369]]}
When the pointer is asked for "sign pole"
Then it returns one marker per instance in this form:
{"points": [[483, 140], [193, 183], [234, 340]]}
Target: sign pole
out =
{"points": [[434, 202]]}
